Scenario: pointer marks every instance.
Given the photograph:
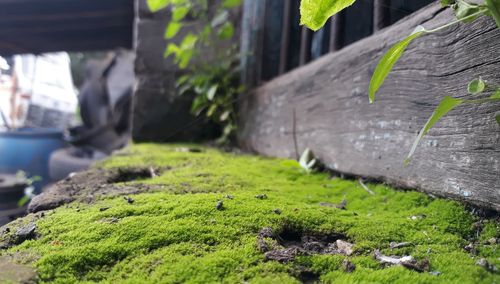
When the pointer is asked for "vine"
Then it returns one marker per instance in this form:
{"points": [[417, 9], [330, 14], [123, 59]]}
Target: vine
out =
{"points": [[215, 85], [315, 13]]}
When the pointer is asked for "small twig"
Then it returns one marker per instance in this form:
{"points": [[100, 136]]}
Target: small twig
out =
{"points": [[294, 134], [363, 185]]}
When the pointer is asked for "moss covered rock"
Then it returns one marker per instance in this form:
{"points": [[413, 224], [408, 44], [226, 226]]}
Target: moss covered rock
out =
{"points": [[171, 214]]}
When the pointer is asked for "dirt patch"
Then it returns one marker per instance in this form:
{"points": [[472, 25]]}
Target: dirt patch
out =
{"points": [[133, 174], [285, 245], [89, 185]]}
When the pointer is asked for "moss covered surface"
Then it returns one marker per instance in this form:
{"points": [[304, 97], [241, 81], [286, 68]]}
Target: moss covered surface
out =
{"points": [[177, 234]]}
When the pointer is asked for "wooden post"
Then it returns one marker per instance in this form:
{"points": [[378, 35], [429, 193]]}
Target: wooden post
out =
{"points": [[305, 46], [252, 41], [337, 29], [285, 36], [381, 14]]}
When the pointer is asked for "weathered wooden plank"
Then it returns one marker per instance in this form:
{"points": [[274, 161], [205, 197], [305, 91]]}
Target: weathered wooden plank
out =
{"points": [[459, 158]]}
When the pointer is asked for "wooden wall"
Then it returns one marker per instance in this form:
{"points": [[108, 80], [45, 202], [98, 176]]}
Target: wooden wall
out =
{"points": [[459, 158]]}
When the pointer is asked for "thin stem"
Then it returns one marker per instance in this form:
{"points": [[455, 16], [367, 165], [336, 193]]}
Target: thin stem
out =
{"points": [[471, 16], [480, 101]]}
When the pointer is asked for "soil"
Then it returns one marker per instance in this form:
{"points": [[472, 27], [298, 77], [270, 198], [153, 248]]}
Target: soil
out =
{"points": [[90, 185], [290, 243]]}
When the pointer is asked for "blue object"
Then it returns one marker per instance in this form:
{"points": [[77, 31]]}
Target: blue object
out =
{"points": [[28, 150]]}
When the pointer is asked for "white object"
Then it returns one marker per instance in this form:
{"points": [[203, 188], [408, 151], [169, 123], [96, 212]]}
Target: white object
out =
{"points": [[47, 80]]}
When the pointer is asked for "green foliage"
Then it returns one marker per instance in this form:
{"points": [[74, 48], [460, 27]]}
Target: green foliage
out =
{"points": [[156, 5], [197, 38], [388, 60], [464, 10], [214, 84], [175, 234], [494, 10], [315, 13], [216, 87]]}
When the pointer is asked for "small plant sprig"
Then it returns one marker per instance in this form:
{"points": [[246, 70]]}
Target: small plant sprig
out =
{"points": [[216, 88], [315, 13], [29, 191], [308, 161]]}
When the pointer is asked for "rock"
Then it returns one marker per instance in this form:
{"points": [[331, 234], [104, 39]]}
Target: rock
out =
{"points": [[394, 245], [261, 196], [25, 233], [435, 273], [266, 232], [488, 266], [16, 273], [284, 255], [344, 247], [219, 205], [348, 266], [129, 200], [392, 259]]}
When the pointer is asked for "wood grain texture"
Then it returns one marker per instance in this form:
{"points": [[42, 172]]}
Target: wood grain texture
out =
{"points": [[460, 156]]}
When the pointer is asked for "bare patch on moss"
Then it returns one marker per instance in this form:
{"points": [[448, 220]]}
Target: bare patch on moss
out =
{"points": [[93, 184], [120, 175], [290, 243]]}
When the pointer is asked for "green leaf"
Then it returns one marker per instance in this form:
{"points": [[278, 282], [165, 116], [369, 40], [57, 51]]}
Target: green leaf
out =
{"points": [[211, 92], [446, 105], [315, 13], [155, 5], [231, 3], [172, 48], [464, 9], [226, 31], [476, 86], [494, 9], [224, 116], [496, 95], [220, 19], [179, 13], [388, 60], [447, 3], [211, 110], [189, 41], [184, 58], [172, 29], [497, 117]]}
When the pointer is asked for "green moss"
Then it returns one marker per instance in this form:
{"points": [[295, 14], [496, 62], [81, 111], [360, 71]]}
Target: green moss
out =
{"points": [[177, 234]]}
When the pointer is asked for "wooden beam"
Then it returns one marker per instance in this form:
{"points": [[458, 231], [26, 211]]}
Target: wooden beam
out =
{"points": [[460, 156]]}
